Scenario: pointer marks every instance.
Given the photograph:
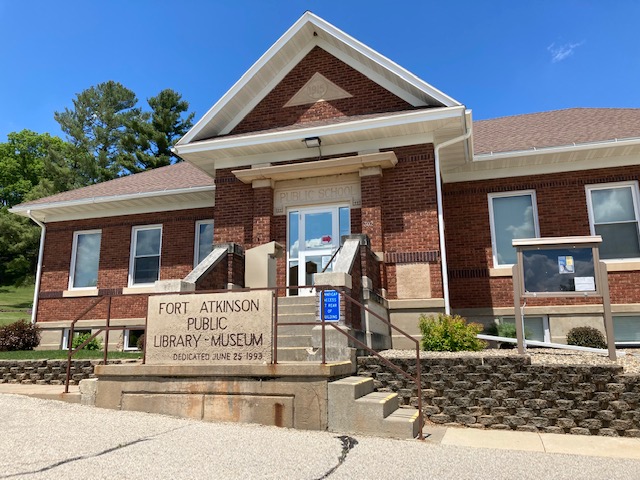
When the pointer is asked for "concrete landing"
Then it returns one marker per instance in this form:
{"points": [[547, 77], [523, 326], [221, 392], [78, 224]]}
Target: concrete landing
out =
{"points": [[46, 392]]}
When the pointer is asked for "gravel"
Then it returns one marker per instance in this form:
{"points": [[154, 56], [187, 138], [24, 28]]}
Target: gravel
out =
{"points": [[630, 361]]}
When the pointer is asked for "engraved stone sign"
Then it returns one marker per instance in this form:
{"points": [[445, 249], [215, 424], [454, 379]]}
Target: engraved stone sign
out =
{"points": [[217, 328]]}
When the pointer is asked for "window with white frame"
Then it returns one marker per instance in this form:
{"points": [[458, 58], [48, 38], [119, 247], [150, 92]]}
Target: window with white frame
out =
{"points": [[535, 328], [626, 329], [613, 214], [144, 267], [131, 338], [76, 333], [204, 240], [85, 257], [512, 215]]}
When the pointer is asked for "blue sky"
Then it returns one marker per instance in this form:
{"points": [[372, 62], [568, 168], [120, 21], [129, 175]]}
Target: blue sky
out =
{"points": [[497, 57]]}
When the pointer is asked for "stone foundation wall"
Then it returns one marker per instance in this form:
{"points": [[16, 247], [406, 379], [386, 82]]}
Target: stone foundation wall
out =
{"points": [[508, 393], [47, 372]]}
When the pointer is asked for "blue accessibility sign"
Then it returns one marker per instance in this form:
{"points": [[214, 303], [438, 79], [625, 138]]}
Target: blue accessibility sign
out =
{"points": [[331, 306]]}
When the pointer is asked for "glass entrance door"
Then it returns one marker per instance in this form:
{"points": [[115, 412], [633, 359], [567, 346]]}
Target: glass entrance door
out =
{"points": [[313, 237]]}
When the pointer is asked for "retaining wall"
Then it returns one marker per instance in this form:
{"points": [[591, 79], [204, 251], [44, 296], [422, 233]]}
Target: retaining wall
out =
{"points": [[48, 372], [508, 393]]}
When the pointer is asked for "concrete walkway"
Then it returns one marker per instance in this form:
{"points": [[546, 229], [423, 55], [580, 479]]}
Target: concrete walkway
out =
{"points": [[465, 437]]}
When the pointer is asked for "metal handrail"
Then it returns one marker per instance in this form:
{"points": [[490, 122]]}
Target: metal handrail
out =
{"points": [[322, 288], [331, 259]]}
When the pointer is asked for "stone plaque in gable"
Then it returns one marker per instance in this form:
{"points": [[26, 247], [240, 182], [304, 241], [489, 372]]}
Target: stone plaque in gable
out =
{"points": [[217, 328]]}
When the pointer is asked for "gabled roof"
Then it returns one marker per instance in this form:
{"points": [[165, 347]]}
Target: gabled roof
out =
{"points": [[308, 32], [555, 128], [166, 188]]}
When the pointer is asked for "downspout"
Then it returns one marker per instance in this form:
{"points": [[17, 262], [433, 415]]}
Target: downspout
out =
{"points": [[43, 232], [443, 249]]}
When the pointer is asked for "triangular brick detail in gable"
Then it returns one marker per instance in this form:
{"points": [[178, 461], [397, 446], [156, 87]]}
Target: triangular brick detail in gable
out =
{"points": [[317, 89], [366, 96]]}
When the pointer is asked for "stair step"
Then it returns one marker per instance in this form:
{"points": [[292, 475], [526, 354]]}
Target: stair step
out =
{"points": [[296, 317], [294, 354], [355, 408], [295, 330], [378, 403]]}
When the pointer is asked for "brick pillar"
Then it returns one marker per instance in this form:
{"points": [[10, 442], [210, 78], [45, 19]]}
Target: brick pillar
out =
{"points": [[371, 188], [262, 212]]}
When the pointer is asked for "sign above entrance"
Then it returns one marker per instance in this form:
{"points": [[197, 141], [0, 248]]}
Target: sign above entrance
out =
{"points": [[219, 328], [317, 191]]}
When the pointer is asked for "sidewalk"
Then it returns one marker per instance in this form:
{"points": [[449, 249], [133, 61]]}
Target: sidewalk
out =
{"points": [[596, 446]]}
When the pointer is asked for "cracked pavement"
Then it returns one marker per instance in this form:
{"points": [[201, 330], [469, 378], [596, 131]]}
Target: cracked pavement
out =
{"points": [[42, 439]]}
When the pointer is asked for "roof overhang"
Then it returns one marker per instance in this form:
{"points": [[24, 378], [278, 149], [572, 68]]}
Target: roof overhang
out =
{"points": [[548, 160], [111, 206], [388, 131], [308, 32]]}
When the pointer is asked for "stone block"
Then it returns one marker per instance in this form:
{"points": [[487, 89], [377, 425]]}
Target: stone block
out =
{"points": [[526, 428], [619, 405], [608, 432], [579, 431], [466, 419], [564, 404], [552, 429], [565, 422], [440, 418], [539, 422], [632, 433], [550, 413], [606, 415], [591, 424], [578, 414], [487, 420], [621, 424]]}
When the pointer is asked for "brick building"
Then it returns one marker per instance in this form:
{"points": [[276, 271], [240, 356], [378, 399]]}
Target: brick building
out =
{"points": [[324, 137]]}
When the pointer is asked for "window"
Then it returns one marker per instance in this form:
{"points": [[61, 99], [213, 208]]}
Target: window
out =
{"points": [[131, 338], [535, 328], [76, 333], [144, 268], [204, 240], [626, 329], [85, 257], [512, 215], [613, 214]]}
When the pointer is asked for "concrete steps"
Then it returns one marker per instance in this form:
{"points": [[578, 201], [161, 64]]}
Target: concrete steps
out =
{"points": [[294, 341], [354, 407]]}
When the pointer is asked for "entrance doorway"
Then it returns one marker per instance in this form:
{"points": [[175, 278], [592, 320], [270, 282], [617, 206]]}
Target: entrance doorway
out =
{"points": [[313, 236]]}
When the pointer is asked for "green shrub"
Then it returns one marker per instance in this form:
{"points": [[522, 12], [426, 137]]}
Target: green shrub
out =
{"points": [[586, 337], [446, 333], [140, 342], [20, 335], [78, 340]]}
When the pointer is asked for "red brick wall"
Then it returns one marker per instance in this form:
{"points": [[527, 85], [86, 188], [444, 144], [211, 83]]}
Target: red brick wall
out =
{"points": [[562, 211], [233, 210], [409, 211], [178, 236], [367, 96]]}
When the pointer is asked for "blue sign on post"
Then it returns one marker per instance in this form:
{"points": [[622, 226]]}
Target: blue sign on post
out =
{"points": [[331, 307]]}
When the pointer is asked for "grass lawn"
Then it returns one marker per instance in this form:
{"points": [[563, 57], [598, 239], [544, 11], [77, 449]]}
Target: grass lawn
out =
{"points": [[15, 303], [62, 354]]}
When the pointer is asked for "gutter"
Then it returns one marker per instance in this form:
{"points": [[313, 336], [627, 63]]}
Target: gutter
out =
{"points": [[43, 232], [443, 249]]}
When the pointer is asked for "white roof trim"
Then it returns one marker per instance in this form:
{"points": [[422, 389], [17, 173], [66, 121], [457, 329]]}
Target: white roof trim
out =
{"points": [[416, 116], [306, 18], [558, 149], [106, 199]]}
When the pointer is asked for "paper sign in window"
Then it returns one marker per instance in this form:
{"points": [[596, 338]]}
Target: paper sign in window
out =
{"points": [[565, 264], [585, 284]]}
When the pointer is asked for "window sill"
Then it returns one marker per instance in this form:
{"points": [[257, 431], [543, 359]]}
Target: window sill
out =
{"points": [[89, 292], [138, 290], [501, 272], [622, 265]]}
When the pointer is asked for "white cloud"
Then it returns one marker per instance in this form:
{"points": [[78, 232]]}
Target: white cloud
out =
{"points": [[560, 52]]}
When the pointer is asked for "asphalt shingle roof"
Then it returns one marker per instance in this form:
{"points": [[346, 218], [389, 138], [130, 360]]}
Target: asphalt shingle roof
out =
{"points": [[555, 128], [173, 177]]}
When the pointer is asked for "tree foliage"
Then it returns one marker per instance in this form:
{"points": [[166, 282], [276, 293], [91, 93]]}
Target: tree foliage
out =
{"points": [[148, 143], [107, 136]]}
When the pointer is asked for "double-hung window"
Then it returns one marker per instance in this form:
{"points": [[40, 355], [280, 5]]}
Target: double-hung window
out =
{"points": [[144, 266], [204, 240], [613, 214], [512, 215], [85, 257]]}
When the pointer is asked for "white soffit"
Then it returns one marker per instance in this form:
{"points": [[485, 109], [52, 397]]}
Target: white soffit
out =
{"points": [[309, 31]]}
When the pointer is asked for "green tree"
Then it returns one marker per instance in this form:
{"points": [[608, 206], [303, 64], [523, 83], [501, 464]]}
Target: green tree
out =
{"points": [[19, 240], [96, 126], [22, 160], [149, 140]]}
